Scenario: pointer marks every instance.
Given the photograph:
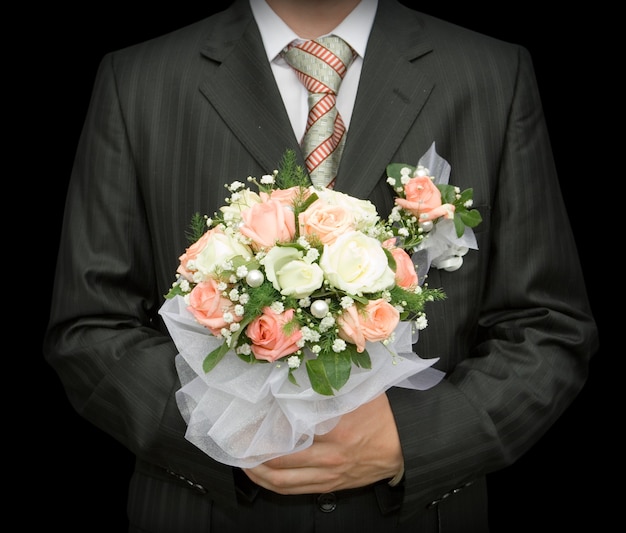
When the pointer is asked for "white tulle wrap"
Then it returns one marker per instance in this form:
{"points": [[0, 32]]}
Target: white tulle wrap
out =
{"points": [[443, 249], [243, 414]]}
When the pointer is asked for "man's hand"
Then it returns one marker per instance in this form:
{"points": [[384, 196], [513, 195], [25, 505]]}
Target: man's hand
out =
{"points": [[363, 448]]}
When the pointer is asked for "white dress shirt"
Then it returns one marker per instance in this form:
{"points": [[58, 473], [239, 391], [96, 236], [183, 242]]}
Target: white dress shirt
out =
{"points": [[276, 35]]}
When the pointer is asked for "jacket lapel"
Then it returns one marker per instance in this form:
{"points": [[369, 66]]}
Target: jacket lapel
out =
{"points": [[241, 87], [392, 92]]}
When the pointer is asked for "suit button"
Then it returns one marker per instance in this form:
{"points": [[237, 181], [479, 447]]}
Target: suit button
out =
{"points": [[327, 503]]}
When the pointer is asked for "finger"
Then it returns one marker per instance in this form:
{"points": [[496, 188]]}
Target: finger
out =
{"points": [[318, 454], [292, 481]]}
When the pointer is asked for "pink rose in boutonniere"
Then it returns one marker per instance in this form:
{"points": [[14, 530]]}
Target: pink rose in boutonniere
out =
{"points": [[423, 199], [432, 218]]}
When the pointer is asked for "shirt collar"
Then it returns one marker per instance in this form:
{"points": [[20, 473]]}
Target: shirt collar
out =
{"points": [[276, 35]]}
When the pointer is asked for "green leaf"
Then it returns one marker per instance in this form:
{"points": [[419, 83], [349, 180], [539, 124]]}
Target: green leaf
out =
{"points": [[390, 259], [393, 171], [318, 378], [292, 378], [471, 218], [313, 197], [214, 357], [362, 360], [459, 226], [448, 193], [337, 366], [175, 290], [465, 195], [248, 358], [360, 299], [240, 260]]}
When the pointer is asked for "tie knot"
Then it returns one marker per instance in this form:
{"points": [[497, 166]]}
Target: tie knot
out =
{"points": [[320, 64]]}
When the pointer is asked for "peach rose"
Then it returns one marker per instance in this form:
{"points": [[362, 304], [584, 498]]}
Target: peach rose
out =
{"points": [[349, 322], [268, 223], [325, 221], [375, 322], [267, 333], [285, 196], [423, 199], [208, 306], [406, 275]]}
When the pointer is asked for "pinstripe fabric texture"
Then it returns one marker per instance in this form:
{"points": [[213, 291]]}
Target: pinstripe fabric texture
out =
{"points": [[321, 65], [173, 120]]}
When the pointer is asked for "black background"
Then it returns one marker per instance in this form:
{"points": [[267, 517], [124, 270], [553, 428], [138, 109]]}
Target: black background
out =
{"points": [[80, 475]]}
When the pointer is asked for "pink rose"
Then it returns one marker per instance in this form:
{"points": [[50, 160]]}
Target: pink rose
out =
{"points": [[326, 221], [285, 196], [349, 323], [423, 199], [375, 322], [406, 275], [208, 305], [267, 223], [269, 339]]}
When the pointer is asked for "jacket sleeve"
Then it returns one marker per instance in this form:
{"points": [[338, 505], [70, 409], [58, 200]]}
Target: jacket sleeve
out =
{"points": [[116, 365], [527, 341]]}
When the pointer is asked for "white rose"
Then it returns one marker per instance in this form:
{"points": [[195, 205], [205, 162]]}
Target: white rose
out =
{"points": [[239, 201], [290, 274], [357, 264], [219, 250], [363, 211]]}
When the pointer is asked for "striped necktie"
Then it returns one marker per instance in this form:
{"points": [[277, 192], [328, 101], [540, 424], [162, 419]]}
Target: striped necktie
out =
{"points": [[321, 65]]}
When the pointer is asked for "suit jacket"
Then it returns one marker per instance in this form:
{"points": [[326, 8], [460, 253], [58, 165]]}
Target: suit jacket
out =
{"points": [[174, 119]]}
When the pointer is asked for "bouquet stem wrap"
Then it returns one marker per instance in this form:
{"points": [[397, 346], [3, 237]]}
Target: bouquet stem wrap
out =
{"points": [[243, 414]]}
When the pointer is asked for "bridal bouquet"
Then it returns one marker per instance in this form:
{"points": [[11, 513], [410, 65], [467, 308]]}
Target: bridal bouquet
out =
{"points": [[294, 305]]}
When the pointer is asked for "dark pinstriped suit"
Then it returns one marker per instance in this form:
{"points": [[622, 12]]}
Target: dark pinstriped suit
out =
{"points": [[174, 119]]}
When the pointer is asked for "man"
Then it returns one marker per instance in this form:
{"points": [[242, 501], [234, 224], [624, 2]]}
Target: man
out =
{"points": [[173, 120]]}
